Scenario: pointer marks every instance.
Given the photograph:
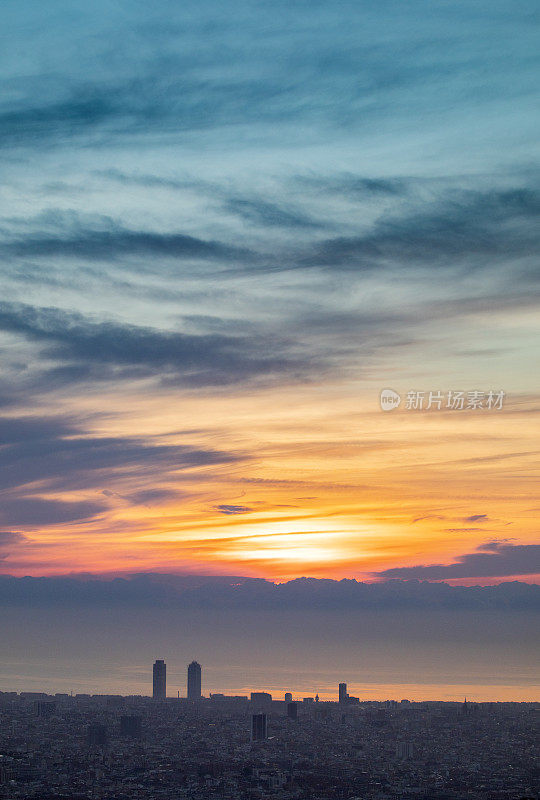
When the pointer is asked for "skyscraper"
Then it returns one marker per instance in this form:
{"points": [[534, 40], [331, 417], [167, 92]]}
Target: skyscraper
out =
{"points": [[343, 696], [97, 736], [194, 681], [404, 750], [258, 727], [261, 699], [159, 680], [292, 710]]}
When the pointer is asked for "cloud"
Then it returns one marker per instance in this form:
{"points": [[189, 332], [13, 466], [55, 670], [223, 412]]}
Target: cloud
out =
{"points": [[58, 454], [477, 518], [36, 511], [115, 241], [40, 456], [90, 349], [495, 559], [50, 454], [494, 544], [257, 594], [184, 85], [156, 102], [269, 215], [145, 497], [463, 530], [342, 70], [225, 509], [477, 227], [8, 540], [440, 225], [357, 186], [145, 180]]}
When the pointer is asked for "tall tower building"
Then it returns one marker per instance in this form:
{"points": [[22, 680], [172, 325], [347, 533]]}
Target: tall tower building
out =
{"points": [[292, 710], [343, 696], [194, 681], [159, 683], [259, 730], [97, 736], [404, 750]]}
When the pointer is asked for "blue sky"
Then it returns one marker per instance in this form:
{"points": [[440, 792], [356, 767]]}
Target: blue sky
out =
{"points": [[277, 138]]}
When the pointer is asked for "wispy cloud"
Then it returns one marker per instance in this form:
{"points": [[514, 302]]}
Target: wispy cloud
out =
{"points": [[8, 540], [109, 244], [494, 559], [48, 455], [469, 227], [89, 350], [228, 509]]}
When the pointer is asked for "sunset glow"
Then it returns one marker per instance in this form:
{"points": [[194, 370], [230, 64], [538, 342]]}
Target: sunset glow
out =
{"points": [[309, 486]]}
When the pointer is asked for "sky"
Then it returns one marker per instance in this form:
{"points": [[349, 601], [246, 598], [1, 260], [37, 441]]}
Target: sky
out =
{"points": [[225, 229]]}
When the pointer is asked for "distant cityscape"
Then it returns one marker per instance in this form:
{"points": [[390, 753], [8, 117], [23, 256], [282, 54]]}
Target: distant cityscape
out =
{"points": [[194, 688], [240, 747]]}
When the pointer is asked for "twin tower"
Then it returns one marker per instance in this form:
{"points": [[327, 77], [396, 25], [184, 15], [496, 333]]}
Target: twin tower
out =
{"points": [[159, 683]]}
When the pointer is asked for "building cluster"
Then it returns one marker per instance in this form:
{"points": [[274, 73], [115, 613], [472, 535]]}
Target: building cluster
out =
{"points": [[159, 680], [109, 747]]}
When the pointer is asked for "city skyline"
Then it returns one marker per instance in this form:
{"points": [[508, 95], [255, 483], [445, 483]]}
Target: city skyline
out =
{"points": [[193, 693], [261, 697]]}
